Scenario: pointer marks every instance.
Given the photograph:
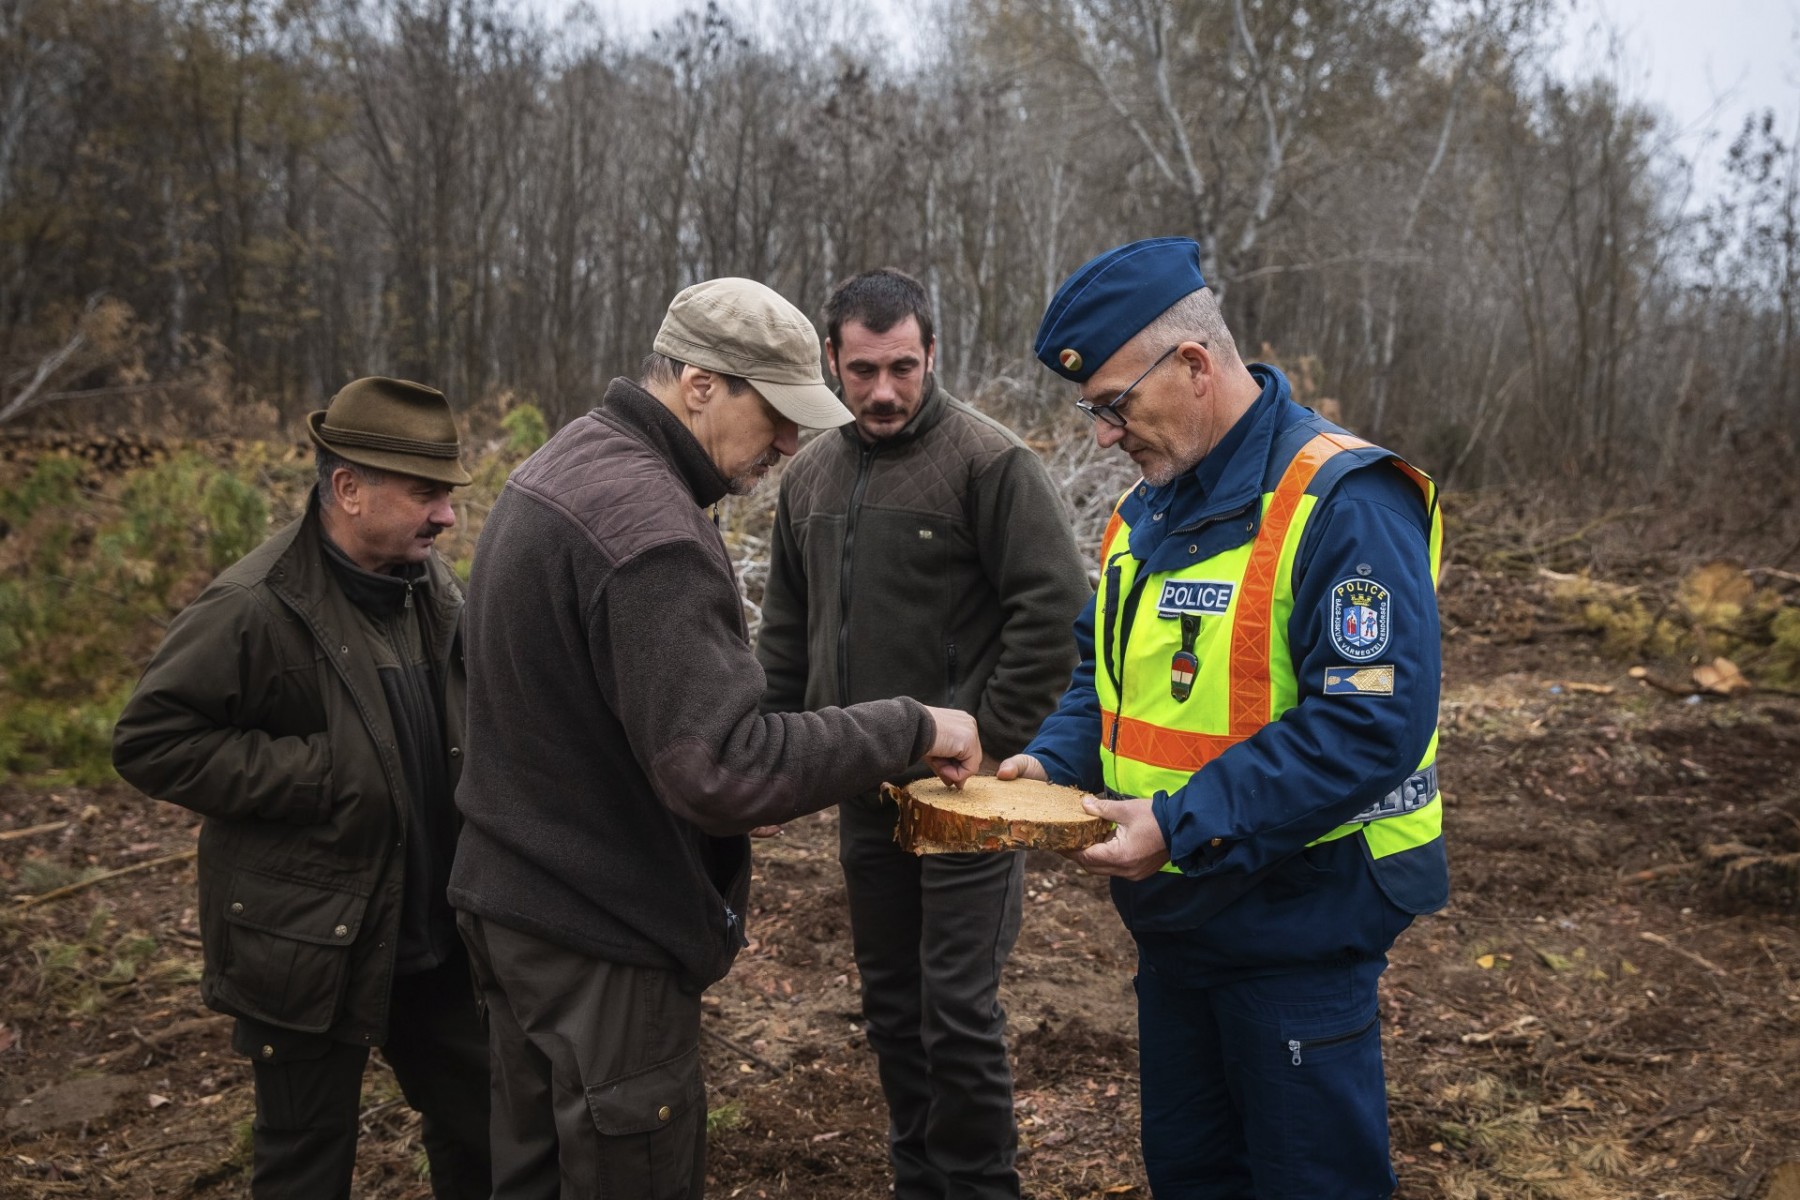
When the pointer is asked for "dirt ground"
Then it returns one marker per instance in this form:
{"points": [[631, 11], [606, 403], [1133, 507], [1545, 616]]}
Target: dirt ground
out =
{"points": [[1566, 1028]]}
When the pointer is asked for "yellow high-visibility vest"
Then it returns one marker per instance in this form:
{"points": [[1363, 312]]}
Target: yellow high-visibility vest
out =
{"points": [[1242, 671]]}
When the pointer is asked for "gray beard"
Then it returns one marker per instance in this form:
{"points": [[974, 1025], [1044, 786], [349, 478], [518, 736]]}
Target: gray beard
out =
{"points": [[746, 481], [1164, 475], [1202, 432]]}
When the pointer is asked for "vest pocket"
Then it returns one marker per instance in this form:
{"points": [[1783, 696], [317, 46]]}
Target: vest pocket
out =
{"points": [[286, 956], [1417, 880]]}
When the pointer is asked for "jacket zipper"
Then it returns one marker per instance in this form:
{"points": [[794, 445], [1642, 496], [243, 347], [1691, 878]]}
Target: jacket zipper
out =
{"points": [[844, 574], [1295, 1046], [950, 675], [1108, 643], [1127, 617]]}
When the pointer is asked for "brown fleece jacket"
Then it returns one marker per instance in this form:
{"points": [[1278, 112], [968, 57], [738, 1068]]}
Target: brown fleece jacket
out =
{"points": [[614, 753]]}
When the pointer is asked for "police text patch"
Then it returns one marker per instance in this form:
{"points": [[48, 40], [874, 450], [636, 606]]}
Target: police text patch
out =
{"points": [[1194, 597], [1359, 681], [1360, 614]]}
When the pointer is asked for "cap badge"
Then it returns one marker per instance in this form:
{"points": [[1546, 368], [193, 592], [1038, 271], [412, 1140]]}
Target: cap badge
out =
{"points": [[1070, 359]]}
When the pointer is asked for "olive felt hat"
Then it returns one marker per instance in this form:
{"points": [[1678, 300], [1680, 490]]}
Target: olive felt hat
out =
{"points": [[391, 425]]}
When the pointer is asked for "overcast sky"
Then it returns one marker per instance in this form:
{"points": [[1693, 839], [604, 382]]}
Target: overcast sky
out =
{"points": [[1707, 63]]}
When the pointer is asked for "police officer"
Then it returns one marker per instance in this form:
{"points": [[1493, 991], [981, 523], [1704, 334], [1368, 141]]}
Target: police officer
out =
{"points": [[1258, 694]]}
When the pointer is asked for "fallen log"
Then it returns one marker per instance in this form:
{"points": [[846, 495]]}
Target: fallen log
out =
{"points": [[13, 835], [989, 814], [1660, 871], [84, 884]]}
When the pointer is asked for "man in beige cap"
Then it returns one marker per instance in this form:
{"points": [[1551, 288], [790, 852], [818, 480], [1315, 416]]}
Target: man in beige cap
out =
{"points": [[617, 758], [309, 706]]}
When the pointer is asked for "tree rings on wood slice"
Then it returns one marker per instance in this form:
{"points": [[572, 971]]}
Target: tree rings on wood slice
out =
{"points": [[991, 814]]}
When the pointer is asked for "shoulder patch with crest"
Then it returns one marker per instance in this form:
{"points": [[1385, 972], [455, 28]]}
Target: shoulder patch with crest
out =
{"points": [[1361, 613]]}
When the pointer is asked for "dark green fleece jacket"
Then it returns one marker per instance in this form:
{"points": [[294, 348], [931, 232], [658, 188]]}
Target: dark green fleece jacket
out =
{"points": [[937, 563]]}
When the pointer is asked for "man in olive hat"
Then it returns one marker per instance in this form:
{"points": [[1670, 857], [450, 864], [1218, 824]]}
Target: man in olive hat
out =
{"points": [[617, 757], [309, 706]]}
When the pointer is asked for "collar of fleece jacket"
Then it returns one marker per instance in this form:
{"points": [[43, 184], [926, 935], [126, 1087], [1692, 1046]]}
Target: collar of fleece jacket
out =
{"points": [[645, 416]]}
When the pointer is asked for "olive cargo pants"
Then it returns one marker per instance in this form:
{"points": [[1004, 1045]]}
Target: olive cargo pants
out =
{"points": [[596, 1070]]}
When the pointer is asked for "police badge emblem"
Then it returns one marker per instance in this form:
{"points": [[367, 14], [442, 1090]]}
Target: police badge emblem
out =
{"points": [[1186, 664], [1361, 612]]}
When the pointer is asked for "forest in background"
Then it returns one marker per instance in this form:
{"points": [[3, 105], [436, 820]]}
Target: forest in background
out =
{"points": [[215, 212]]}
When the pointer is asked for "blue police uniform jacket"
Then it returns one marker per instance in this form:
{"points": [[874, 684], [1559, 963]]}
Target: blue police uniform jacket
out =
{"points": [[1262, 899]]}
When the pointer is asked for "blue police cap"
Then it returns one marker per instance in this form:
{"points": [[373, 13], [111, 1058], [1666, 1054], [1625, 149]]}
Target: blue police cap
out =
{"points": [[1104, 304]]}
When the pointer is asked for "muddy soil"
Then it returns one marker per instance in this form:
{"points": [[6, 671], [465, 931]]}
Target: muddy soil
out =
{"points": [[1590, 1018]]}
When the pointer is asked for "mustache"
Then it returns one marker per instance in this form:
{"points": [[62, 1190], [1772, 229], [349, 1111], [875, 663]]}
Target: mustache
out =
{"points": [[431, 530]]}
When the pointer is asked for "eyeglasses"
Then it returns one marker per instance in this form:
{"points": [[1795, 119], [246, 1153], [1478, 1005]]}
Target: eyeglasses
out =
{"points": [[1110, 411]]}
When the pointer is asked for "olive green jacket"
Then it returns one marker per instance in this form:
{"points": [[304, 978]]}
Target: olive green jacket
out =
{"points": [[262, 711]]}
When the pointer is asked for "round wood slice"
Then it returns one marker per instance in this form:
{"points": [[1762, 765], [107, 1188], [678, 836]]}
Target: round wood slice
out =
{"points": [[991, 814]]}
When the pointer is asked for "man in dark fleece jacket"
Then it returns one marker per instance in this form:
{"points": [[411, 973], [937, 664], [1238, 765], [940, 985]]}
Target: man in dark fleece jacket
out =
{"points": [[922, 550], [616, 758]]}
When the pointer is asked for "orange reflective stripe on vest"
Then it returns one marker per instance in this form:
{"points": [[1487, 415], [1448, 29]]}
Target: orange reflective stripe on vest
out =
{"points": [[1251, 635], [1160, 746], [1113, 526]]}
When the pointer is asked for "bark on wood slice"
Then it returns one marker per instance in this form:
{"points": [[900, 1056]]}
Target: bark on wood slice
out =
{"points": [[989, 814]]}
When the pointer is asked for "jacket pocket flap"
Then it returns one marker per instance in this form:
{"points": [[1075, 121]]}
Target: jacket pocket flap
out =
{"points": [[291, 908], [648, 1100]]}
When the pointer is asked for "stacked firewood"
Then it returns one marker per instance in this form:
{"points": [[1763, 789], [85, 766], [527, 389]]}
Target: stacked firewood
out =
{"points": [[106, 453]]}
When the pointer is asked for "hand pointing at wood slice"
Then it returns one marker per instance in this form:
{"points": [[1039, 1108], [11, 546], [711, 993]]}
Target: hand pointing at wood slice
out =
{"points": [[955, 752]]}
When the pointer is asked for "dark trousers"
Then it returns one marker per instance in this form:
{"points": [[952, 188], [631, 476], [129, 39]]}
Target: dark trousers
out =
{"points": [[309, 1093], [932, 934], [596, 1069], [1264, 1089]]}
